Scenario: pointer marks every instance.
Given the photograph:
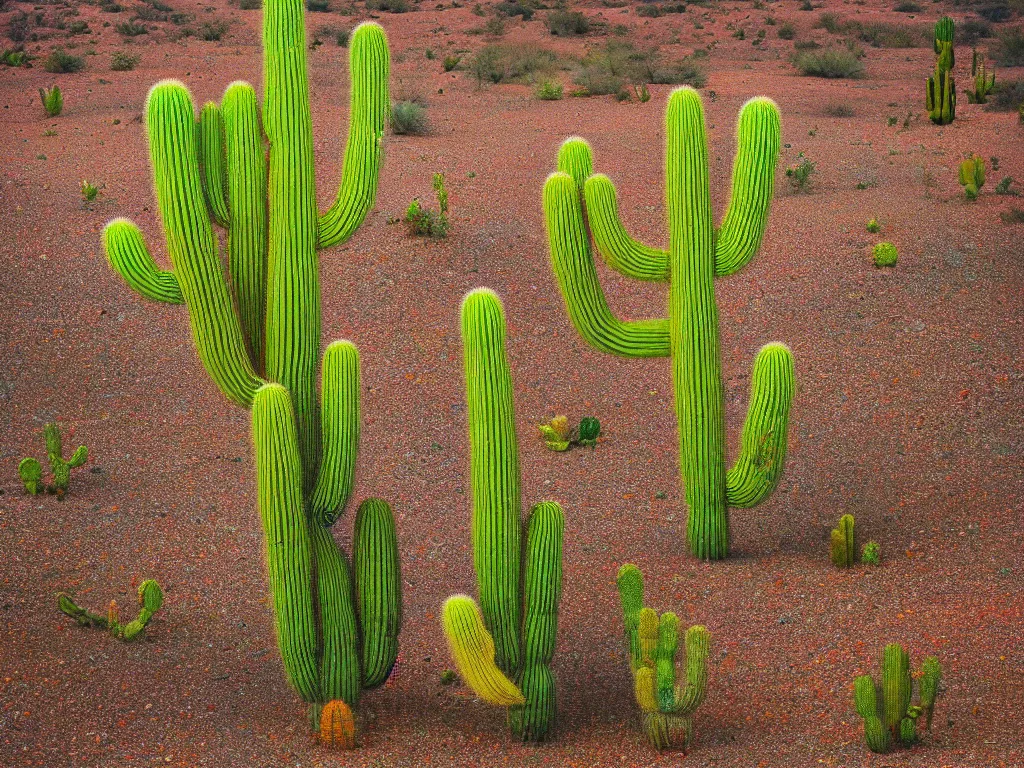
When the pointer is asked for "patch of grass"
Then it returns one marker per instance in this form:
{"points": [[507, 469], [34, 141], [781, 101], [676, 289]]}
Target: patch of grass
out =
{"points": [[89, 191], [13, 58], [1010, 51], [512, 8], [831, 63], [504, 63], [123, 62], [1012, 216], [829, 22], [60, 62], [973, 30], [390, 6], [409, 118], [549, 90], [839, 109], [786, 31], [78, 28], [495, 26], [567, 23], [450, 62], [806, 45], [650, 11], [211, 31], [881, 35], [131, 29], [617, 64], [109, 6], [907, 7], [996, 12]]}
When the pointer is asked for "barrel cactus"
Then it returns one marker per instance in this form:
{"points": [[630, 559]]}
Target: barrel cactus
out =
{"points": [[666, 707], [257, 325], [698, 252], [503, 647], [889, 717]]}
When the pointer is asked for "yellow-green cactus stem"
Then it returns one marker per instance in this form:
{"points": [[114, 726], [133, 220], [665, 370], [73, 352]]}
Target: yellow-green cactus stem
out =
{"points": [[473, 651], [31, 473], [972, 176], [843, 550], [697, 253], [983, 81], [940, 97], [378, 589], [885, 255]]}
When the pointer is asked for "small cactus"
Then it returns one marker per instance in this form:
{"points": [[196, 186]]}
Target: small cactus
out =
{"points": [[556, 433], [150, 599], [873, 226], [889, 717], [843, 543], [52, 100], [885, 255], [871, 554], [972, 176], [589, 430], [337, 727], [31, 472], [983, 81]]}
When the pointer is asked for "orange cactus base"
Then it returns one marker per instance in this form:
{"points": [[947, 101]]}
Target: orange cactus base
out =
{"points": [[337, 728]]}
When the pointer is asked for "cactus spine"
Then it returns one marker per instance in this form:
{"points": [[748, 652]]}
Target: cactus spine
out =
{"points": [[940, 98], [666, 708], [889, 717], [503, 649], [972, 176], [983, 81], [843, 549], [698, 252], [31, 471], [257, 332], [150, 598]]}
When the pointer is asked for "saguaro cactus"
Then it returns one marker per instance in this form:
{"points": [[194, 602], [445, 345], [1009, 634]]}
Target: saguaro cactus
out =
{"points": [[889, 717], [940, 98], [257, 331], [698, 252], [983, 81], [667, 708], [503, 649]]}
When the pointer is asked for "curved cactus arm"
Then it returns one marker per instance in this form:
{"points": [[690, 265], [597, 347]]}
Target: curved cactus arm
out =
{"points": [[369, 65], [576, 160], [647, 632], [472, 649], [31, 473], [758, 139], [127, 253], [211, 161], [494, 466], [67, 605], [79, 457], [340, 427], [620, 251], [287, 537], [339, 666], [691, 696], [247, 200], [630, 581], [765, 433], [218, 336], [542, 594], [573, 265], [378, 589]]}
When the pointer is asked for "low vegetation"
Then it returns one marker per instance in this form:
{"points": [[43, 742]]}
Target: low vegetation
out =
{"points": [[61, 62], [409, 118], [567, 23], [829, 62], [122, 62], [504, 63]]}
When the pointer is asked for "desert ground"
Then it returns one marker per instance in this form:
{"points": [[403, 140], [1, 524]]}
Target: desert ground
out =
{"points": [[908, 412]]}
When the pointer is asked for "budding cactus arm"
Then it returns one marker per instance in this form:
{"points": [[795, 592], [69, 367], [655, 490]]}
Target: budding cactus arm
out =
{"points": [[631, 593], [340, 420], [765, 433], [340, 676], [193, 249], [211, 161], [758, 138], [378, 589], [665, 660], [932, 675], [896, 684], [576, 160], [573, 265], [369, 64], [286, 533], [473, 650], [688, 698], [621, 252], [127, 253]]}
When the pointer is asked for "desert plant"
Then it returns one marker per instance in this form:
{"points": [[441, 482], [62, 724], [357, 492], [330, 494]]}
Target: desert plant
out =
{"points": [[567, 23], [940, 98], [337, 726], [31, 472], [257, 324], [150, 598], [1010, 51], [549, 90], [972, 176], [786, 31], [907, 7], [450, 62], [889, 717], [211, 31], [1012, 216], [839, 109], [130, 29], [559, 436], [318, 6], [52, 100], [830, 63], [501, 63], [122, 62], [885, 255], [842, 547], [871, 554], [89, 191], [799, 174], [1005, 186], [643, 95], [983, 82], [697, 253], [873, 226], [391, 6], [511, 635], [514, 8], [61, 62], [666, 708], [973, 30], [423, 221], [409, 118]]}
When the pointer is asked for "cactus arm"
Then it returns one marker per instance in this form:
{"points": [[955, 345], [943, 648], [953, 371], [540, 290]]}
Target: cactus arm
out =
{"points": [[630, 582], [645, 686], [85, 618], [620, 252], [647, 632], [369, 65], [287, 537], [247, 229], [211, 161], [31, 473], [929, 690], [576, 160], [339, 667], [340, 428], [378, 589], [79, 457], [494, 467], [292, 327], [688, 698], [127, 253], [758, 138], [573, 265], [473, 650], [665, 660], [192, 246], [896, 685], [543, 591], [763, 453]]}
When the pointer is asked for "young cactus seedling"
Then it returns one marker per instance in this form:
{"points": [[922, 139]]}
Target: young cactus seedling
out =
{"points": [[52, 100], [889, 717], [983, 81], [31, 472], [871, 554], [972, 176], [150, 597], [885, 255], [666, 708], [873, 226], [843, 549]]}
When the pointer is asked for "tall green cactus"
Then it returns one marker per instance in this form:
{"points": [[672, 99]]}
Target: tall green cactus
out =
{"points": [[889, 717], [983, 81], [944, 31], [257, 332], [514, 638], [698, 252], [940, 98], [667, 708]]}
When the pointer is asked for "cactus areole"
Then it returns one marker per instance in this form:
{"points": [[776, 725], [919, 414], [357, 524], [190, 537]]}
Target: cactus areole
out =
{"points": [[698, 252], [257, 332]]}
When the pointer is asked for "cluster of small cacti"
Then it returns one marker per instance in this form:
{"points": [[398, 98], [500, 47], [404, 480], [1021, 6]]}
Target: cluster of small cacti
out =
{"points": [[151, 597], [983, 81], [885, 255], [698, 252], [972, 176], [940, 98], [889, 716], [503, 648], [52, 100], [666, 707], [31, 471], [257, 325], [559, 436]]}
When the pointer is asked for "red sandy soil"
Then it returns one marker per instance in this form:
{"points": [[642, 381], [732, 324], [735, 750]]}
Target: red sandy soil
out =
{"points": [[908, 415]]}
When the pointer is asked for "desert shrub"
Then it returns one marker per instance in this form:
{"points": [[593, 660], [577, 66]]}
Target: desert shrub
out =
{"points": [[503, 63], [549, 90], [799, 175], [1008, 96], [250, 5], [567, 23], [830, 62], [685, 72], [830, 22], [13, 58], [1012, 216], [149, 13], [610, 68], [109, 6], [1010, 51], [839, 109], [806, 45], [78, 28], [806, 5], [787, 31], [18, 27], [130, 29], [122, 62], [512, 8], [881, 35], [907, 7], [318, 6], [391, 6], [995, 12], [339, 35], [1004, 187], [89, 191], [648, 11], [495, 26], [408, 118], [423, 221], [211, 31], [59, 62], [973, 30], [450, 62]]}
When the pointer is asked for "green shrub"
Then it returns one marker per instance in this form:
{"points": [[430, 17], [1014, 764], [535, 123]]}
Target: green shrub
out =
{"points": [[828, 21], [567, 23], [799, 175], [89, 191], [504, 63], [391, 6], [549, 90], [831, 63], [1010, 51], [451, 62], [839, 109], [78, 28], [60, 62], [52, 100], [423, 221], [318, 6], [1007, 97], [907, 7], [409, 118], [250, 5], [18, 28], [881, 35], [873, 226], [787, 31], [885, 255], [122, 62], [1005, 187], [13, 58], [512, 8], [871, 554], [211, 31], [130, 29], [996, 12], [648, 11], [495, 26]]}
